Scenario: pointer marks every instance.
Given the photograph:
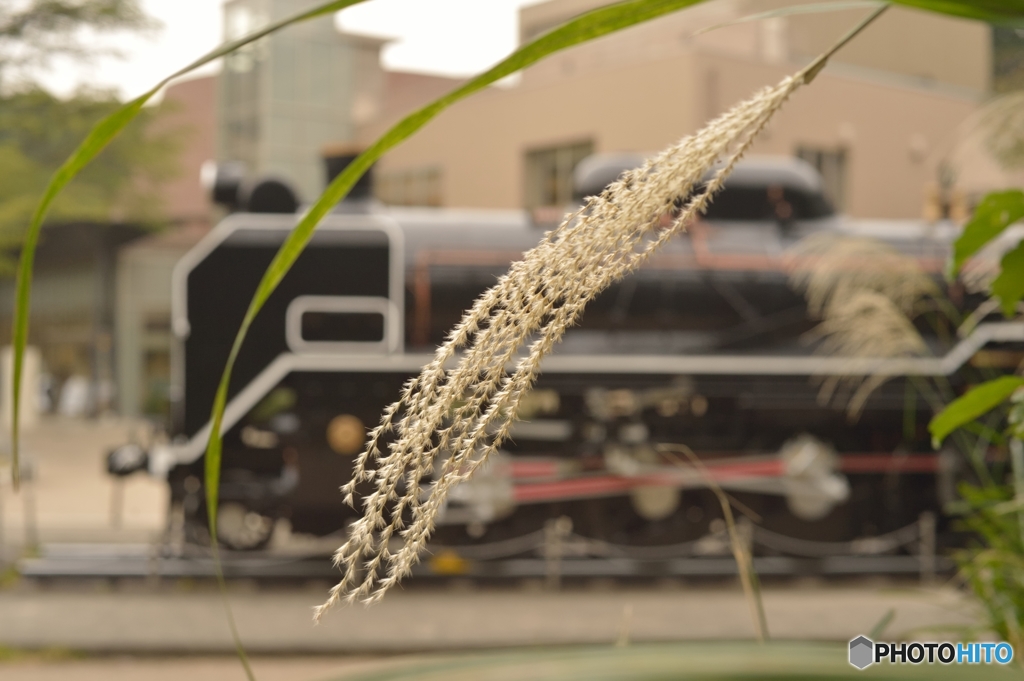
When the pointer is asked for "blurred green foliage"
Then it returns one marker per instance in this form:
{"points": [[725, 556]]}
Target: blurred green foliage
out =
{"points": [[696, 661], [38, 131], [994, 566], [35, 31], [973, 404], [1007, 58], [993, 512], [994, 214]]}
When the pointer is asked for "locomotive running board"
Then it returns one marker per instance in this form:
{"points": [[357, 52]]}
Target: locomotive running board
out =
{"points": [[163, 458]]}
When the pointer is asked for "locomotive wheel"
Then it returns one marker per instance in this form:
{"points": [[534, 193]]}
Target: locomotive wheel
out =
{"points": [[241, 529], [618, 521], [238, 528]]}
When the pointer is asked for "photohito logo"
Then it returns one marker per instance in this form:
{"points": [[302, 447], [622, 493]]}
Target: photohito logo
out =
{"points": [[864, 652]]}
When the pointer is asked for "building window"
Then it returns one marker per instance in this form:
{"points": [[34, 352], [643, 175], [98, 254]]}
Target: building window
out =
{"points": [[415, 187], [549, 173], [831, 163]]}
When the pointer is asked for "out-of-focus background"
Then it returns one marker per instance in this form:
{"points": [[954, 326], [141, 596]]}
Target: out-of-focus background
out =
{"points": [[889, 129]]}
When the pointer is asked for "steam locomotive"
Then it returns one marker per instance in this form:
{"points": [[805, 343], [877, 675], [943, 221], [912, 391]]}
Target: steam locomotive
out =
{"points": [[705, 346]]}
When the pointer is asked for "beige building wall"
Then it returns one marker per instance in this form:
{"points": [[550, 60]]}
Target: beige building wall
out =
{"points": [[903, 41], [189, 109], [142, 288], [652, 84], [894, 131], [478, 144], [909, 42]]}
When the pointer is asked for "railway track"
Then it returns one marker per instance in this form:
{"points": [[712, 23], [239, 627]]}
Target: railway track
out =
{"points": [[550, 554]]}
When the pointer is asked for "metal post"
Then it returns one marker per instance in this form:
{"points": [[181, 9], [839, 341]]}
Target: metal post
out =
{"points": [[555, 533], [116, 502], [28, 502], [625, 626], [926, 549], [28, 497]]}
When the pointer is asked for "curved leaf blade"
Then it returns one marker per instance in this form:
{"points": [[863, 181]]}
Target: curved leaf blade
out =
{"points": [[593, 24], [976, 402], [996, 212], [793, 10], [97, 139], [1008, 12]]}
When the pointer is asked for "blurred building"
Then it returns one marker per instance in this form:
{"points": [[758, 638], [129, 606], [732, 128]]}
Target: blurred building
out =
{"points": [[877, 122], [101, 290], [283, 98], [268, 108], [141, 294], [72, 310]]}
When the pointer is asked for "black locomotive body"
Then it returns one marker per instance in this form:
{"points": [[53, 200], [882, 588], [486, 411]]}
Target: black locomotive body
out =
{"points": [[705, 349]]}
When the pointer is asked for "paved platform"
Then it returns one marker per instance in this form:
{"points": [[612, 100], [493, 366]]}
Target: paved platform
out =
{"points": [[51, 667], [69, 497], [175, 620]]}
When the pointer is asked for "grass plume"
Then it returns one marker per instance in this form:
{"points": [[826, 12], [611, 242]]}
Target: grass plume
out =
{"points": [[866, 294], [540, 297], [456, 417]]}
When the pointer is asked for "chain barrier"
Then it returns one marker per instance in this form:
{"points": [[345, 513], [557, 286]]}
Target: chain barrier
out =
{"points": [[578, 545]]}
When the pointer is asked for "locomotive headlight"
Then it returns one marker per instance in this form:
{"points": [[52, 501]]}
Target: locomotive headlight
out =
{"points": [[346, 434]]}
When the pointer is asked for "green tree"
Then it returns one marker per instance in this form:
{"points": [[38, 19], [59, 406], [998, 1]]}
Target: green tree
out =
{"points": [[32, 33], [38, 130]]}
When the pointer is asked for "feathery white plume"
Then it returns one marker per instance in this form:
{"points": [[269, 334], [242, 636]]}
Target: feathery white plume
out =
{"points": [[456, 417], [461, 415]]}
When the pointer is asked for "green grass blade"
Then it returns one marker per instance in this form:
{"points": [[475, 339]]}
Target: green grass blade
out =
{"points": [[586, 27], [100, 136], [977, 401], [791, 10], [1007, 12], [881, 625], [592, 25], [94, 143], [589, 26]]}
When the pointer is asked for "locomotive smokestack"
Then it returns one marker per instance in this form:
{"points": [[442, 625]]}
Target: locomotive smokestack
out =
{"points": [[336, 159]]}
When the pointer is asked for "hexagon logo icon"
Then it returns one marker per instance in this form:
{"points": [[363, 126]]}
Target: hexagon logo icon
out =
{"points": [[861, 652]]}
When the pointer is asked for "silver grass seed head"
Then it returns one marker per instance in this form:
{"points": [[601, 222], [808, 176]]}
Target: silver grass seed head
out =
{"points": [[531, 306]]}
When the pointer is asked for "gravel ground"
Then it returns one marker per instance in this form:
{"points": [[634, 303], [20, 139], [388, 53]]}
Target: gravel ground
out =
{"points": [[69, 497]]}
